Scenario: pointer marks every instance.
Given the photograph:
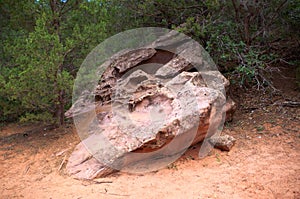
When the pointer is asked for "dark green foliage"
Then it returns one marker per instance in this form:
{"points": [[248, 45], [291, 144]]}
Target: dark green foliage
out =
{"points": [[42, 55], [298, 76]]}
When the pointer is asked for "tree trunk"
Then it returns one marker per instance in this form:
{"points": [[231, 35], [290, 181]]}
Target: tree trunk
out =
{"points": [[61, 107]]}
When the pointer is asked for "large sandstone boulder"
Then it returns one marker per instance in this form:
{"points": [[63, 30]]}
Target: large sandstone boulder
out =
{"points": [[150, 106]]}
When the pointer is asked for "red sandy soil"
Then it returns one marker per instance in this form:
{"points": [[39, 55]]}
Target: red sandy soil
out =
{"points": [[264, 163]]}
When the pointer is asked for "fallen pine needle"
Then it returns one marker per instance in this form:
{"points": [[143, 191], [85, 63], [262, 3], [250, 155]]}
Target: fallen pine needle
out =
{"points": [[114, 194], [27, 168]]}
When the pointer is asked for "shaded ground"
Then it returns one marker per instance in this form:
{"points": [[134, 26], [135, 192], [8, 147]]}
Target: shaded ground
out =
{"points": [[264, 163]]}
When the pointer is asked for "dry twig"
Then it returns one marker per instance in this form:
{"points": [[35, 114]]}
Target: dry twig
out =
{"points": [[62, 163]]}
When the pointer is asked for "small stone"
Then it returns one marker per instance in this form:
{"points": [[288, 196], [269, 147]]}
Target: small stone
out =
{"points": [[224, 142]]}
